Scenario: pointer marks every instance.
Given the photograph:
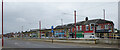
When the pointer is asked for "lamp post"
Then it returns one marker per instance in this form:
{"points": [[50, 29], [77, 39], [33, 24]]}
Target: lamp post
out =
{"points": [[22, 32], [75, 22], [104, 13], [40, 28], [2, 25]]}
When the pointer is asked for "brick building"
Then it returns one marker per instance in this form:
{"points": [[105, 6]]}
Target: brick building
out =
{"points": [[88, 27]]}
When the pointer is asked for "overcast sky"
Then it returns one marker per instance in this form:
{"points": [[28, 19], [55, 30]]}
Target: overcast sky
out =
{"points": [[28, 14]]}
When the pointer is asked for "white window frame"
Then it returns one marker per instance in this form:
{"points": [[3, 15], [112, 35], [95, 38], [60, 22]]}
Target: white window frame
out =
{"points": [[93, 26], [76, 28], [86, 27], [80, 27]]}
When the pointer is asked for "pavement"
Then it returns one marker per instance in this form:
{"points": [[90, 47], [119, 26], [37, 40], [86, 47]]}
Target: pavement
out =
{"points": [[79, 43], [37, 43], [67, 41], [72, 41]]}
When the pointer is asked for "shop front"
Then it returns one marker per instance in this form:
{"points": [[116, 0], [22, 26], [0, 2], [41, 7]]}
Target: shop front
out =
{"points": [[79, 35], [59, 35]]}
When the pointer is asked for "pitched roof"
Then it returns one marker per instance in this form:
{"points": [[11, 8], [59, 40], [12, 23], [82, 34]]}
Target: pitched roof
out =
{"points": [[96, 21]]}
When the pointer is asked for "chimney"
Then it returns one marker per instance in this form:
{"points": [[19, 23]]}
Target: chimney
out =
{"points": [[86, 19]]}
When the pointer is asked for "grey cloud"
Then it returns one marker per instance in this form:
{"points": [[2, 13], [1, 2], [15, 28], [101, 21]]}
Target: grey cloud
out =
{"points": [[50, 13]]}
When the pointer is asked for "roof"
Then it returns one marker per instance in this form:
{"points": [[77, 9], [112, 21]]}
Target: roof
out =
{"points": [[96, 21], [104, 21]]}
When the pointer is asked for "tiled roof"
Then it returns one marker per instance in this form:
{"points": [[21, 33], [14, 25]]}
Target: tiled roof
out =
{"points": [[96, 21]]}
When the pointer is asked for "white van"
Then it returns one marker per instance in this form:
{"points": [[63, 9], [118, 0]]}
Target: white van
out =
{"points": [[90, 36]]}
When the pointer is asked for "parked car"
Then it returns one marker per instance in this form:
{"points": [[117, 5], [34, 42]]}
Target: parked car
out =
{"points": [[115, 36], [90, 36]]}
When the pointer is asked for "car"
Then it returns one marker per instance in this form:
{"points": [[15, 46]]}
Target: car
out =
{"points": [[117, 36]]}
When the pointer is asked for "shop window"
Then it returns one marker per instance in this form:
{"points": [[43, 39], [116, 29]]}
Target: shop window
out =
{"points": [[76, 28], [63, 31], [110, 27], [56, 31], [106, 26], [91, 26]]}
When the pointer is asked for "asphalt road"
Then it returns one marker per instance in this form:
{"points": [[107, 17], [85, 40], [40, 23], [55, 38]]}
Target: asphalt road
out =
{"points": [[36, 44], [40, 45]]}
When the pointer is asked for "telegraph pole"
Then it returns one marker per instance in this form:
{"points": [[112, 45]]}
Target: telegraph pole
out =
{"points": [[104, 18], [22, 32], [75, 22], [40, 28], [62, 25], [104, 13], [61, 21], [2, 25]]}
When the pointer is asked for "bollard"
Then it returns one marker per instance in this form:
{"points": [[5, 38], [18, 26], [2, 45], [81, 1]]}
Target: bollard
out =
{"points": [[95, 41], [52, 40]]}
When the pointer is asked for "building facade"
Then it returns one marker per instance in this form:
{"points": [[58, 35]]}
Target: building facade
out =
{"points": [[84, 29]]}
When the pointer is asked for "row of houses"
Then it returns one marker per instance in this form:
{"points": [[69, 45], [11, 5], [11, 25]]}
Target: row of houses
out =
{"points": [[84, 29]]}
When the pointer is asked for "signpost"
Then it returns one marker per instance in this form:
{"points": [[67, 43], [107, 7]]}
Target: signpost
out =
{"points": [[52, 33]]}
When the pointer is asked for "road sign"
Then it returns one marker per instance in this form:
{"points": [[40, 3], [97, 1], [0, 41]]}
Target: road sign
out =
{"points": [[52, 29], [52, 33]]}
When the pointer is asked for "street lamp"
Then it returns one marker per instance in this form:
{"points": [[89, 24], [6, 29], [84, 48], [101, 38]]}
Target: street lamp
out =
{"points": [[40, 28], [2, 25], [75, 22]]}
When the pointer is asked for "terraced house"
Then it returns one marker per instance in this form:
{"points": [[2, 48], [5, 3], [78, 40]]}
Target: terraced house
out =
{"points": [[84, 29], [87, 29]]}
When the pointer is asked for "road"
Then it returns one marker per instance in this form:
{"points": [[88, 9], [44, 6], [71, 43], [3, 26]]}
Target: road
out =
{"points": [[36, 44]]}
